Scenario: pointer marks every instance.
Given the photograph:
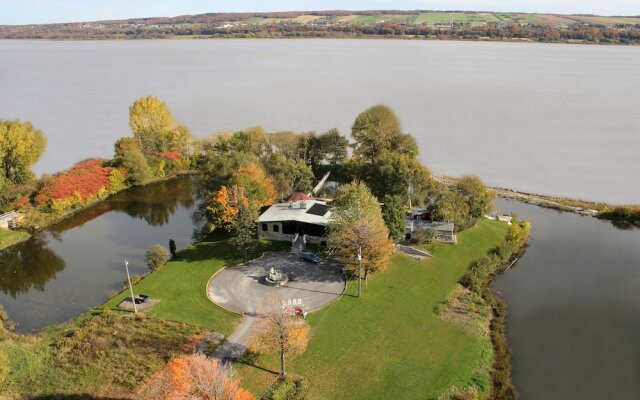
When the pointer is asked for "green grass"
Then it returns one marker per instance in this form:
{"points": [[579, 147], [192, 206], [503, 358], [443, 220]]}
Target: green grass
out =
{"points": [[440, 18], [181, 284], [8, 238], [390, 343]]}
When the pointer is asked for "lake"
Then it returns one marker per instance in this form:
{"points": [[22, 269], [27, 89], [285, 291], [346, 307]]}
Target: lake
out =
{"points": [[547, 118], [61, 273], [574, 315]]}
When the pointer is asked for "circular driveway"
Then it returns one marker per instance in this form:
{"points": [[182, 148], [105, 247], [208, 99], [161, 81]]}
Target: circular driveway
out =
{"points": [[241, 288]]}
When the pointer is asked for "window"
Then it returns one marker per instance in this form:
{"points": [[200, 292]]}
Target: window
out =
{"points": [[276, 228], [265, 227]]}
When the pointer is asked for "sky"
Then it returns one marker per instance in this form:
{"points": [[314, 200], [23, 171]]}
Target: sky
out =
{"points": [[17, 12]]}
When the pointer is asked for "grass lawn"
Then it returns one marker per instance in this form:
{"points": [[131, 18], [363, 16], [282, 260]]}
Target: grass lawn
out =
{"points": [[390, 343], [8, 238], [181, 284], [440, 18]]}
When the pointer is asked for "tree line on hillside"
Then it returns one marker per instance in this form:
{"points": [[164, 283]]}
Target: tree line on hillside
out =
{"points": [[209, 25]]}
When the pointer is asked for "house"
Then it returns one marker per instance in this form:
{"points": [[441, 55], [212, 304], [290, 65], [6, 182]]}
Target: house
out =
{"points": [[444, 230], [418, 219], [10, 219], [301, 216]]}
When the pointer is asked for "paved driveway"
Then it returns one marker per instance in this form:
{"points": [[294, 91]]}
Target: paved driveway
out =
{"points": [[241, 288]]}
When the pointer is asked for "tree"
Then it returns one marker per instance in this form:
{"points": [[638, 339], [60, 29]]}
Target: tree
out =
{"points": [[479, 199], [334, 146], [151, 122], [20, 147], [286, 144], [377, 130], [223, 207], [396, 174], [311, 148], [258, 186], [394, 215], [129, 155], [279, 332], [289, 175], [156, 256], [253, 141], [452, 207], [172, 247], [374, 131], [195, 377], [177, 139], [229, 209], [357, 228], [243, 229]]}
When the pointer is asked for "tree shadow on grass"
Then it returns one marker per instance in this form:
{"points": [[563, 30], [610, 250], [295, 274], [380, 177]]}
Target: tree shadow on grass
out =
{"points": [[251, 359]]}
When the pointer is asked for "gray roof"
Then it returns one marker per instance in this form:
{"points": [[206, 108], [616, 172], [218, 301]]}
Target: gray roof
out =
{"points": [[308, 211], [438, 226]]}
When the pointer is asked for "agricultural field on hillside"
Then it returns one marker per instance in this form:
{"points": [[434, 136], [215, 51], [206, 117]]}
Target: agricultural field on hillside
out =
{"points": [[382, 18], [441, 18]]}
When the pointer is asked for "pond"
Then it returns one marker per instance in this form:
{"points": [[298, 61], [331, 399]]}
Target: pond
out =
{"points": [[62, 272]]}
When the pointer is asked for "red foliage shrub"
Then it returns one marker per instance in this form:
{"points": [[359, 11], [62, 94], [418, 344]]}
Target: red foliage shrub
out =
{"points": [[85, 178], [171, 155]]}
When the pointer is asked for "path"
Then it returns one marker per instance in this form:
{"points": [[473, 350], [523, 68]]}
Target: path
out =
{"points": [[242, 288], [236, 344]]}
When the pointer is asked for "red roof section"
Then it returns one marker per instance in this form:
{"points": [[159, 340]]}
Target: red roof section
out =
{"points": [[297, 196]]}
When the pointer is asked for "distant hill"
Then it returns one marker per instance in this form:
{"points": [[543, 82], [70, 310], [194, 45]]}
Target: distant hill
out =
{"points": [[472, 25]]}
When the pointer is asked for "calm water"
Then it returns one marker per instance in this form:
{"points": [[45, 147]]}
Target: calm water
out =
{"points": [[59, 274], [556, 119], [574, 313]]}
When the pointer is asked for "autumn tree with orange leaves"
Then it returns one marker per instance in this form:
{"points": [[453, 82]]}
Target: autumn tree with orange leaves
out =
{"points": [[229, 209], [258, 186], [195, 377], [279, 332], [357, 232], [223, 207]]}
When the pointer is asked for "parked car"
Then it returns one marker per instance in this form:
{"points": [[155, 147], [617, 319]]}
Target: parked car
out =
{"points": [[310, 257]]}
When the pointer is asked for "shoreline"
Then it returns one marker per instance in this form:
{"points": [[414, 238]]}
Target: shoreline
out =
{"points": [[360, 37], [69, 214], [583, 207]]}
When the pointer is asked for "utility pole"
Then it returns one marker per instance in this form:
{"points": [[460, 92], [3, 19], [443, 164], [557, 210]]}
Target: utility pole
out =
{"points": [[133, 300], [359, 271]]}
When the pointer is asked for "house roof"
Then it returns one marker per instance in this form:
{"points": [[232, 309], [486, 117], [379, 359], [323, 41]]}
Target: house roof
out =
{"points": [[438, 226], [297, 196], [11, 215], [307, 211]]}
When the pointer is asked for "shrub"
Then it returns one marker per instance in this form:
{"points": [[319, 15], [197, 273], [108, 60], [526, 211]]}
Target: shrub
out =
{"points": [[423, 235], [117, 178], [134, 279], [78, 185], [156, 256], [288, 389]]}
